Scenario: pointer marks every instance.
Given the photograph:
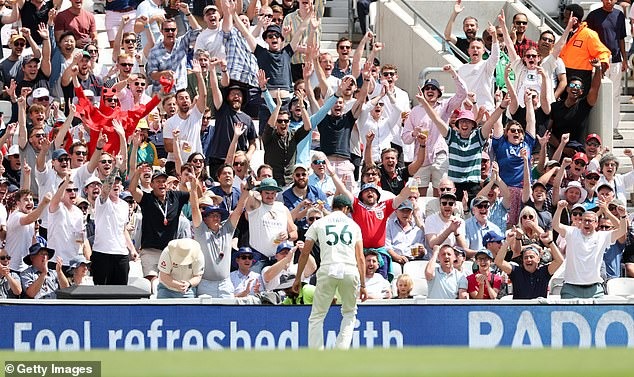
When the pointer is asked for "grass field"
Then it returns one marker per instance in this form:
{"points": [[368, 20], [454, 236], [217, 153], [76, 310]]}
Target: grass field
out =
{"points": [[375, 362]]}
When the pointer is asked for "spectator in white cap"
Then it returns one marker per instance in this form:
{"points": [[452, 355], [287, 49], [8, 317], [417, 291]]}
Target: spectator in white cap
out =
{"points": [[12, 165], [211, 38], [181, 267], [479, 224]]}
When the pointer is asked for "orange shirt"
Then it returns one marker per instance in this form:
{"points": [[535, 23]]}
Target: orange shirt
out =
{"points": [[582, 47]]}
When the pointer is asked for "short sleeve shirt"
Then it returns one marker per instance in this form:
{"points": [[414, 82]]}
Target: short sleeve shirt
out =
{"points": [[160, 220]]}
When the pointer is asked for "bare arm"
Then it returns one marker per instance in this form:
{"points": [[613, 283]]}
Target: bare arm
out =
{"points": [[251, 42], [443, 127], [23, 135], [341, 188], [54, 204], [46, 49], [134, 189], [358, 53], [34, 215], [557, 226], [458, 7], [59, 139], [430, 268]]}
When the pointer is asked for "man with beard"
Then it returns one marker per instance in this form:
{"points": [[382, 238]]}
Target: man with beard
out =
{"points": [[443, 280], [187, 120], [226, 190], [518, 35], [168, 57], [228, 113], [21, 227], [469, 26], [161, 211], [66, 223], [301, 196], [584, 252], [478, 72], [571, 114], [418, 123], [81, 67], [11, 67], [280, 143]]}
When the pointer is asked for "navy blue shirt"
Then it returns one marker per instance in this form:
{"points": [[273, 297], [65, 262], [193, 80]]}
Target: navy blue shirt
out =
{"points": [[611, 29], [277, 65], [225, 119], [335, 134], [229, 200], [312, 193], [528, 286]]}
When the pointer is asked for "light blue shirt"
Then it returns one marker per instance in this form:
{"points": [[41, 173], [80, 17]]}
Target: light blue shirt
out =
{"points": [[400, 240], [498, 215], [475, 232]]}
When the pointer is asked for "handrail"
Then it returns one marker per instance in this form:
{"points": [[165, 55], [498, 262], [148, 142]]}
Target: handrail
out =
{"points": [[543, 17], [445, 43]]}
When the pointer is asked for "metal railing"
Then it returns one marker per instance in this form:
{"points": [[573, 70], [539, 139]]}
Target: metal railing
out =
{"points": [[421, 20], [544, 18]]}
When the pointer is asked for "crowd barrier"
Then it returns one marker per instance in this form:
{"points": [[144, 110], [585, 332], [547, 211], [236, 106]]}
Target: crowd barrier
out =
{"points": [[73, 325]]}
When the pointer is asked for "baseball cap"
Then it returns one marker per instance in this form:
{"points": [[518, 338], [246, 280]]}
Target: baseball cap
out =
{"points": [[210, 7], [59, 153], [551, 163], [76, 262], [92, 179], [341, 201], [283, 246], [29, 58], [40, 92], [538, 183], [300, 166], [13, 150], [594, 173], [448, 195], [580, 156], [407, 204], [15, 37], [606, 185], [485, 156], [578, 206], [244, 250], [159, 173], [125, 195], [593, 136], [491, 236], [479, 200], [485, 252]]}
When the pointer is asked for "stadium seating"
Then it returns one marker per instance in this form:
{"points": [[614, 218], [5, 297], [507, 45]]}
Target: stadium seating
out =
{"points": [[620, 287]]}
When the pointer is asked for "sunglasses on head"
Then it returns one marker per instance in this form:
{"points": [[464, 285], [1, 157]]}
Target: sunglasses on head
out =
{"points": [[246, 257], [5, 257], [319, 162]]}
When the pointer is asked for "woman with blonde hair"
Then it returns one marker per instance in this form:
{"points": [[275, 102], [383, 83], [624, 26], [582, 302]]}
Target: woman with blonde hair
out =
{"points": [[526, 231]]}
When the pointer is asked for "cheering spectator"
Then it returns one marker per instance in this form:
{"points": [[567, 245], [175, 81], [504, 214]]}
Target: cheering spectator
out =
{"points": [[38, 281], [483, 284], [469, 26], [443, 279]]}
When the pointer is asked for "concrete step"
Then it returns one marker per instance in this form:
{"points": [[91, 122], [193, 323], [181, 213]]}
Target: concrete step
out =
{"points": [[626, 125], [327, 28], [626, 117], [627, 107]]}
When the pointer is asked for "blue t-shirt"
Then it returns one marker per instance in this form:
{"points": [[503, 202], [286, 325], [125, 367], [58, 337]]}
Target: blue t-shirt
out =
{"points": [[277, 65], [612, 259], [508, 157]]}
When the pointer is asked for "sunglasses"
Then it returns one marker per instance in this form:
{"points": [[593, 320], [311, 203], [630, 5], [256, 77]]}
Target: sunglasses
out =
{"points": [[447, 204], [371, 174], [530, 55], [521, 22], [138, 83], [237, 163], [612, 207], [300, 174], [246, 257], [126, 65], [273, 35], [390, 73], [482, 206], [574, 85], [429, 87], [198, 160], [528, 217], [319, 162], [577, 213], [515, 130], [129, 41], [39, 136], [266, 15], [345, 47], [610, 164], [283, 121], [5, 257], [443, 189], [63, 159], [80, 153], [110, 99], [43, 99], [73, 189], [605, 227], [19, 44], [548, 40], [106, 161], [592, 177], [277, 20], [580, 163], [169, 29], [207, 118], [313, 218]]}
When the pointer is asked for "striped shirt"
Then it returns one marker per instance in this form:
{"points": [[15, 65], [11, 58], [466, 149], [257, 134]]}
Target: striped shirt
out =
{"points": [[465, 156], [241, 63], [294, 20], [160, 59]]}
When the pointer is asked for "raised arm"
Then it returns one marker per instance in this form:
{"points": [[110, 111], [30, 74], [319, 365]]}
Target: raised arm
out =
{"points": [[134, 189], [593, 93], [358, 53], [526, 187], [368, 161], [363, 93], [560, 177], [622, 229], [494, 120], [239, 128], [510, 91], [298, 34], [215, 93], [251, 42], [563, 38], [443, 127], [499, 258], [560, 148], [63, 130], [45, 66], [430, 268], [508, 42], [116, 46], [23, 134], [420, 155], [341, 187], [557, 225], [544, 89], [55, 200], [530, 113], [457, 8]]}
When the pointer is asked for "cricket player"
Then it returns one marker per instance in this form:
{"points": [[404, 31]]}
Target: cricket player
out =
{"points": [[342, 269]]}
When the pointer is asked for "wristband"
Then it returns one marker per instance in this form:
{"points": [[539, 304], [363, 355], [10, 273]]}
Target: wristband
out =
{"points": [[550, 243], [422, 146], [624, 217], [363, 286], [503, 108], [97, 148], [188, 14]]}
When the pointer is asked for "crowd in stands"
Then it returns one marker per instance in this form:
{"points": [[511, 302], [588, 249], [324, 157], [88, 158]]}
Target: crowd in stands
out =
{"points": [[148, 159]]}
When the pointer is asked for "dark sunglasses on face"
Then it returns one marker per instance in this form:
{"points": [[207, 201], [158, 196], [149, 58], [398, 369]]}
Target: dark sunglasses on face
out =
{"points": [[447, 204], [283, 121], [580, 163], [238, 163], [272, 35], [386, 74], [110, 99], [313, 218], [106, 161], [63, 159], [5, 257], [442, 189], [246, 257], [138, 83], [515, 130], [198, 160], [72, 189], [300, 174], [169, 29], [19, 44], [612, 207], [129, 41], [521, 22], [574, 85], [92, 51], [528, 217], [126, 65], [592, 177], [530, 55], [482, 206], [80, 153], [43, 99], [265, 15], [39, 136], [577, 213], [319, 162], [429, 87], [206, 118], [343, 47]]}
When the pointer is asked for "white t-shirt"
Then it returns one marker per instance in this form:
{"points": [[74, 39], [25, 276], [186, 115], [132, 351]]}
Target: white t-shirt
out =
{"points": [[377, 286], [65, 227], [19, 239], [584, 255], [265, 224], [48, 181], [337, 235], [189, 132], [479, 78], [435, 225], [212, 41], [110, 221], [3, 215]]}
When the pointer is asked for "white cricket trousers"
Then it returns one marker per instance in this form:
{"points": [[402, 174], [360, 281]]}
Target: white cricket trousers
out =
{"points": [[327, 286]]}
